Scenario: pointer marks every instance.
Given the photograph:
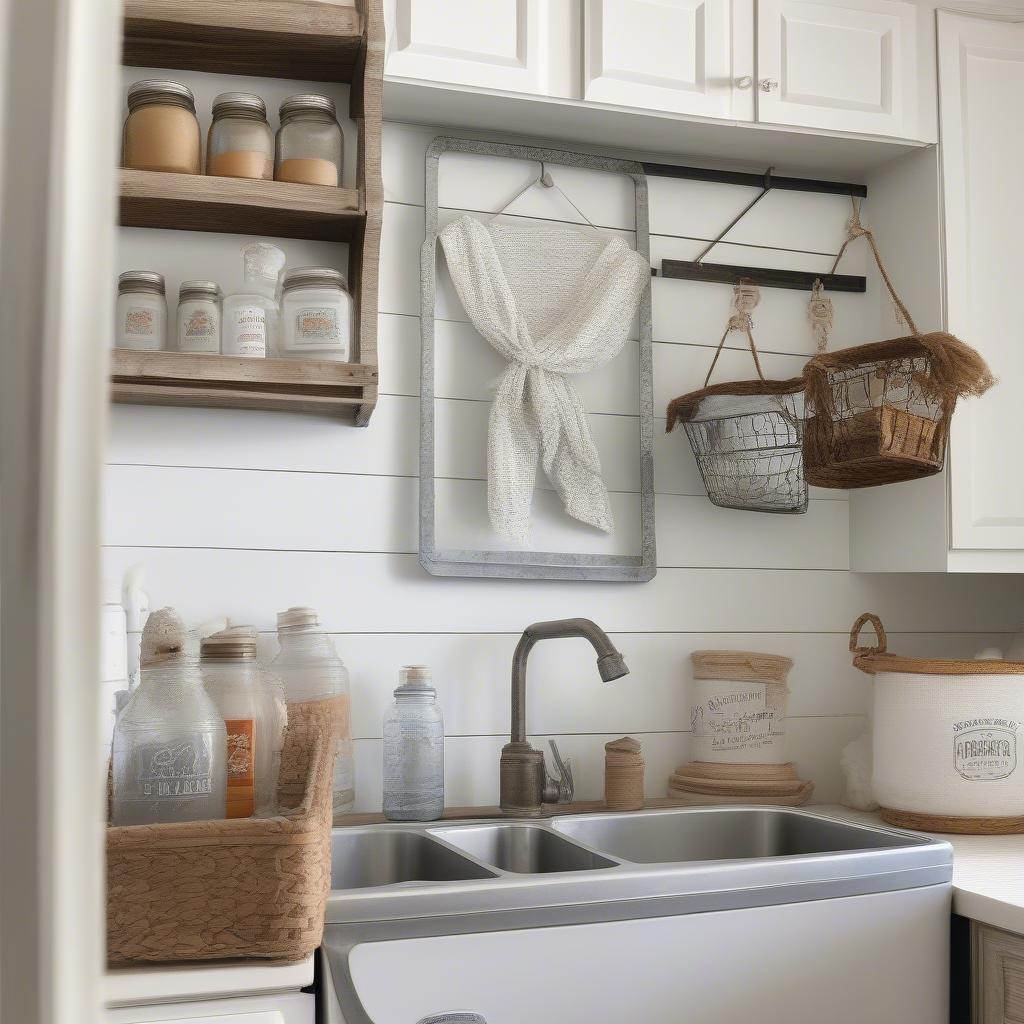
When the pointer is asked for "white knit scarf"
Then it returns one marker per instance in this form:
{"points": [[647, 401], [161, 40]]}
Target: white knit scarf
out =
{"points": [[554, 301]]}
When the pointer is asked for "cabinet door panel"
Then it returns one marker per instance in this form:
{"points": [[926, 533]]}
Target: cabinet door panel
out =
{"points": [[998, 976], [843, 66], [500, 44], [675, 55], [981, 78]]}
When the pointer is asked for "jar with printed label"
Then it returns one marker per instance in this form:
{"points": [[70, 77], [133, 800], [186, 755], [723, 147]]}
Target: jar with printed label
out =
{"points": [[253, 715], [141, 317], [316, 314], [199, 317], [309, 142], [240, 143]]}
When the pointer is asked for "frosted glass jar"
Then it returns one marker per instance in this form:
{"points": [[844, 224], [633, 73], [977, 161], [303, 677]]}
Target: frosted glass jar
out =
{"points": [[310, 146], [240, 143], [316, 315], [198, 320], [161, 132], [310, 669], [141, 316], [414, 750]]}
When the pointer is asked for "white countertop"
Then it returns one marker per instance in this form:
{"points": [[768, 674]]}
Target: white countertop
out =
{"points": [[168, 983], [988, 872]]}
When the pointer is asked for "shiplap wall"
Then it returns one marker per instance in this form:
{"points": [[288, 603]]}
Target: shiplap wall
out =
{"points": [[244, 513]]}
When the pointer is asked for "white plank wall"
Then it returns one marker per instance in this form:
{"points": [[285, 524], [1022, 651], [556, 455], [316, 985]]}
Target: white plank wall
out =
{"points": [[243, 513]]}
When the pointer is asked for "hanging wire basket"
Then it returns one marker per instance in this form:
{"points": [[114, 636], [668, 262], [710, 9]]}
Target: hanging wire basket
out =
{"points": [[747, 436], [880, 413]]}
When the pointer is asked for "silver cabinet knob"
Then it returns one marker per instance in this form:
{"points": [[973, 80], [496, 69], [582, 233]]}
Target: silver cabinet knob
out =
{"points": [[769, 84], [744, 82]]}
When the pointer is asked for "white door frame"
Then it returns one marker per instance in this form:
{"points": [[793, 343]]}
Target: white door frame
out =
{"points": [[59, 112]]}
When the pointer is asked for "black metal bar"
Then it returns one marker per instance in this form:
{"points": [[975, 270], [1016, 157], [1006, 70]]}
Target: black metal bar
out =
{"points": [[835, 188], [722, 273]]}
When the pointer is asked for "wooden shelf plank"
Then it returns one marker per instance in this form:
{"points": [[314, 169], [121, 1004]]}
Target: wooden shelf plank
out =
{"points": [[200, 202], [310, 40]]}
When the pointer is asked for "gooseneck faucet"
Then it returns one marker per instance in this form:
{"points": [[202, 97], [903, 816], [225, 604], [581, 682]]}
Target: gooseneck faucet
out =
{"points": [[525, 784]]}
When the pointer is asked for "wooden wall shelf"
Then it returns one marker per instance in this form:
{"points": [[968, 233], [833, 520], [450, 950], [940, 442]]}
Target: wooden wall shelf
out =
{"points": [[313, 40]]}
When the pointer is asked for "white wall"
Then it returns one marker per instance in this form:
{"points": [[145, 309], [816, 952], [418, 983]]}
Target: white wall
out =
{"points": [[244, 513]]}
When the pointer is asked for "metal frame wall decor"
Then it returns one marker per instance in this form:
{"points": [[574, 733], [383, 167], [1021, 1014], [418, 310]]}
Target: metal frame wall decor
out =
{"points": [[532, 564]]}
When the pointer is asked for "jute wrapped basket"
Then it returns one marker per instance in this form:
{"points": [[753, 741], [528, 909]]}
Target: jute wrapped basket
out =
{"points": [[241, 887]]}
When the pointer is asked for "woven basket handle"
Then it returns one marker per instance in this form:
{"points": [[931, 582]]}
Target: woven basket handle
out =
{"points": [[745, 297], [856, 230], [876, 623]]}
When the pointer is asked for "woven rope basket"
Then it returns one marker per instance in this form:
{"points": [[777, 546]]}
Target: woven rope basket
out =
{"points": [[241, 887]]}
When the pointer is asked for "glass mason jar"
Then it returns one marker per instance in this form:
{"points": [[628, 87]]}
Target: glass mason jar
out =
{"points": [[316, 315], [198, 319], [255, 724], [240, 143], [310, 146], [310, 669], [141, 315], [414, 750], [161, 132]]}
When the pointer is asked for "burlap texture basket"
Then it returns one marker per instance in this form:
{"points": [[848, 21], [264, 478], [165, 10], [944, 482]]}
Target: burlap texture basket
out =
{"points": [[879, 413], [241, 887]]}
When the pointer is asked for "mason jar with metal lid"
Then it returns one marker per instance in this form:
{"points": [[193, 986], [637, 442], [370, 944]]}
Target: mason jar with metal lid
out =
{"points": [[199, 317], [316, 314], [310, 146], [161, 132], [141, 318], [240, 143]]}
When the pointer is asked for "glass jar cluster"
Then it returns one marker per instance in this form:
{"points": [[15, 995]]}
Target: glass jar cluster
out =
{"points": [[161, 133]]}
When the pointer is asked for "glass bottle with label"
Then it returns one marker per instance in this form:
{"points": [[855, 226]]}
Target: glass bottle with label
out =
{"points": [[141, 315], [170, 745], [250, 316], [311, 670], [310, 145], [199, 317], [240, 143], [414, 750], [255, 722], [316, 315]]}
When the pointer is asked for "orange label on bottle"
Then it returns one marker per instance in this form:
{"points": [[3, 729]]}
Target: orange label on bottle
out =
{"points": [[241, 767]]}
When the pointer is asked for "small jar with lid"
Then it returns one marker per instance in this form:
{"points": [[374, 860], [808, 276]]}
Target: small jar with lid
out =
{"points": [[316, 315], [199, 317], [161, 132], [141, 318], [240, 143], [310, 146]]}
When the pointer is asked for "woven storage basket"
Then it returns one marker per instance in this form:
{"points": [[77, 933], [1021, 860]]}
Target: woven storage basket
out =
{"points": [[241, 887], [947, 739], [747, 436], [879, 413]]}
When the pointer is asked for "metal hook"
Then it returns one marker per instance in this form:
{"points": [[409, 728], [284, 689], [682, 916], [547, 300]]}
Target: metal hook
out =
{"points": [[545, 178]]}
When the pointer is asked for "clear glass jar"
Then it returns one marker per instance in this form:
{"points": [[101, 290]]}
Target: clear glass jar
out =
{"points": [[198, 318], [170, 745], [240, 143], [161, 132], [414, 750], [316, 315], [310, 146], [141, 315], [310, 669], [255, 724]]}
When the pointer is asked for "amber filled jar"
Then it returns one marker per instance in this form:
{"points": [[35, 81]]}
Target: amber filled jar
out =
{"points": [[161, 132], [240, 143], [309, 142]]}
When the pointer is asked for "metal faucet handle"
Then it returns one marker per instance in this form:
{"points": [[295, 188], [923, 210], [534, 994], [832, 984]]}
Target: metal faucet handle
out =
{"points": [[559, 790]]}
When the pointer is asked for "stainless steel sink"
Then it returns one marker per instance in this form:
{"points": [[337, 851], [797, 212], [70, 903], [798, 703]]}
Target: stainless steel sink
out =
{"points": [[667, 837], [523, 849], [361, 860]]}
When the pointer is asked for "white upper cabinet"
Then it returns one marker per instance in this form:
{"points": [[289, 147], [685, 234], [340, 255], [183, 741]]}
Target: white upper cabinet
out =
{"points": [[981, 88], [845, 65], [684, 56], [523, 46]]}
